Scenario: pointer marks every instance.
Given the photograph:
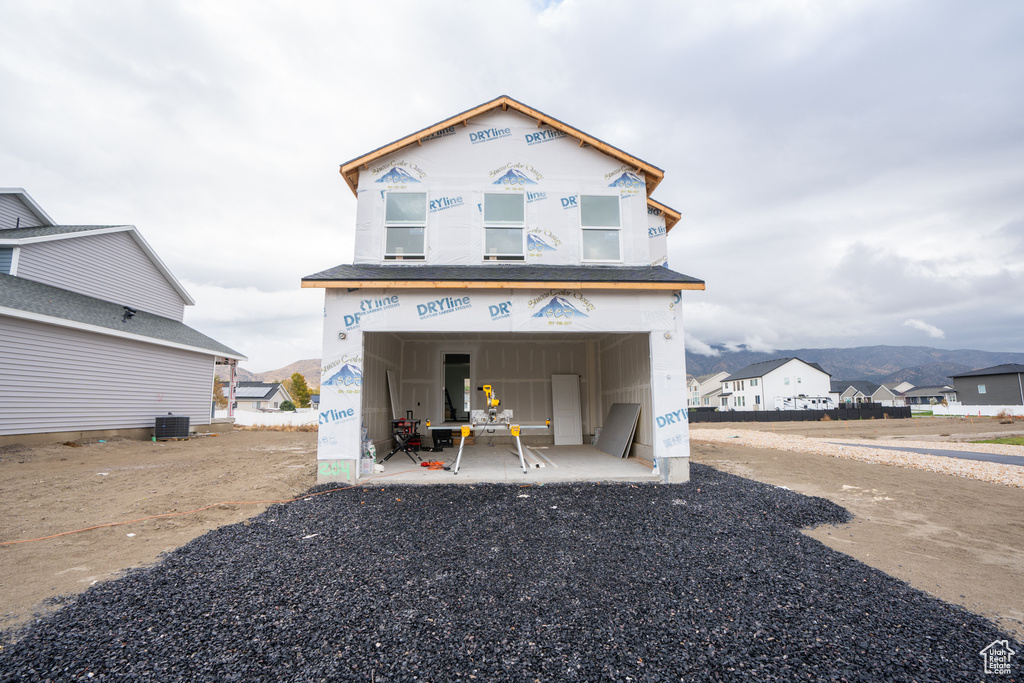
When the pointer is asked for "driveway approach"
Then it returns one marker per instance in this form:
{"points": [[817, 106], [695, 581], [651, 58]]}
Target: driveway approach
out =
{"points": [[581, 582]]}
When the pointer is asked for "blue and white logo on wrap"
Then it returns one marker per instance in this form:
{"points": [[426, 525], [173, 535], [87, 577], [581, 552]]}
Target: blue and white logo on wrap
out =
{"points": [[350, 375], [514, 177], [560, 307], [397, 176], [537, 243], [628, 181]]}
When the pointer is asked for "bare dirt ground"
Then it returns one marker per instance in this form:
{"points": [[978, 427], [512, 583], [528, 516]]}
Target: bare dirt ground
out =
{"points": [[959, 539], [53, 488]]}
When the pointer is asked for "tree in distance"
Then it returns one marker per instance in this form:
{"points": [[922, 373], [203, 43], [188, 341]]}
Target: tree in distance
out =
{"points": [[301, 391], [218, 394]]}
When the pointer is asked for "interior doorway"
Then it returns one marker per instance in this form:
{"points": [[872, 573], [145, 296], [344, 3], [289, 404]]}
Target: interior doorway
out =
{"points": [[456, 387]]}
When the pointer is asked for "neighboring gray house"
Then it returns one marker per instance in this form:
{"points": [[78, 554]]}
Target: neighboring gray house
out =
{"points": [[1000, 385], [260, 396], [91, 338], [929, 395]]}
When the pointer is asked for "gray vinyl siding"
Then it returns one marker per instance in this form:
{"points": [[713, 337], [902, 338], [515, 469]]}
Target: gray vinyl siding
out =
{"points": [[111, 267], [6, 257], [1000, 390], [55, 379], [12, 209]]}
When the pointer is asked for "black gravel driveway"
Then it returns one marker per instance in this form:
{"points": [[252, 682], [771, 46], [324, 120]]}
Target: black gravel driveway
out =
{"points": [[708, 580]]}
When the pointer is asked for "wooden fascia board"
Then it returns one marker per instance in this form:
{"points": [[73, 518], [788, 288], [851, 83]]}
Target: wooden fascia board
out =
{"points": [[350, 170], [497, 284], [671, 215]]}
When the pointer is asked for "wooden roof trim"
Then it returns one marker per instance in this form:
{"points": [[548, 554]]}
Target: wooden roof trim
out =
{"points": [[671, 215], [350, 170], [496, 284]]}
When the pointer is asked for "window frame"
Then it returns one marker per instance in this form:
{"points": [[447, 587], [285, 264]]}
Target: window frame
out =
{"points": [[503, 225], [405, 224], [595, 228]]}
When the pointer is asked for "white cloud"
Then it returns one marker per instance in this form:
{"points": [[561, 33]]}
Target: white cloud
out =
{"points": [[694, 345], [930, 330]]}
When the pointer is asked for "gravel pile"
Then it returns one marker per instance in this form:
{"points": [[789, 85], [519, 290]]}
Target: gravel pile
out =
{"points": [[573, 582], [995, 473]]}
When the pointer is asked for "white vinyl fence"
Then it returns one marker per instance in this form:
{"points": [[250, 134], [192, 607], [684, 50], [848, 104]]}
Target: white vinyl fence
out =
{"points": [[246, 418], [958, 410]]}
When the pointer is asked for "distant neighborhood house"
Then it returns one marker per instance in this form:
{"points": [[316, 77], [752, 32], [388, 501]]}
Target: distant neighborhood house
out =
{"points": [[704, 390], [261, 396], [780, 384], [91, 332], [1000, 385]]}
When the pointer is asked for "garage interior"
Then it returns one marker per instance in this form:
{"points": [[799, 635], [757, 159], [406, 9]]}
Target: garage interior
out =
{"points": [[612, 368]]}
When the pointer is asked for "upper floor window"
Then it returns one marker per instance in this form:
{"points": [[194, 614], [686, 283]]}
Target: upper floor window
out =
{"points": [[981, 389], [753, 382], [602, 228], [6, 259], [504, 221], [405, 223]]}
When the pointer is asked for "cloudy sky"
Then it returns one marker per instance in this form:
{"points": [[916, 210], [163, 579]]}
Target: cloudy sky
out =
{"points": [[849, 173]]}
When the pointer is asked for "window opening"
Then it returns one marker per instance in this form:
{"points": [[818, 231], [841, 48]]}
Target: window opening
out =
{"points": [[504, 221], [405, 222], [601, 224]]}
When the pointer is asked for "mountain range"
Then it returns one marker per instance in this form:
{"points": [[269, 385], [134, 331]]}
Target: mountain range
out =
{"points": [[920, 365]]}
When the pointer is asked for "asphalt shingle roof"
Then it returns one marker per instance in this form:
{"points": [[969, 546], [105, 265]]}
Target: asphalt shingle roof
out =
{"points": [[1004, 369], [35, 297], [764, 367], [508, 272]]}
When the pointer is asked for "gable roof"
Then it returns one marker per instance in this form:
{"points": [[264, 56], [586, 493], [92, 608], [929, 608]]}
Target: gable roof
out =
{"points": [[49, 233], [258, 391], [29, 203], [30, 300], [928, 391], [501, 276], [652, 174], [764, 367], [1004, 369]]}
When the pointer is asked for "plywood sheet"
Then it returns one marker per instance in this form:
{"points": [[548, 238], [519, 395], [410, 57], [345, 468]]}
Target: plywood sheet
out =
{"points": [[619, 426], [393, 391]]}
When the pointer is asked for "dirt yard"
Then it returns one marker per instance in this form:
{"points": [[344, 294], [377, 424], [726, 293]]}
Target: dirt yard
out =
{"points": [[959, 539], [54, 488]]}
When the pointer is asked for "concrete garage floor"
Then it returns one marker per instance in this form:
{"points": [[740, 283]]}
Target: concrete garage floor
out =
{"points": [[482, 463]]}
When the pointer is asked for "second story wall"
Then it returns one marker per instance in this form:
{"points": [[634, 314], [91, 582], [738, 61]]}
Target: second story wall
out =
{"points": [[109, 266], [502, 189]]}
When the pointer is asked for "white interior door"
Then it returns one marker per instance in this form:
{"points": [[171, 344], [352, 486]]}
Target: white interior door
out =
{"points": [[565, 401]]}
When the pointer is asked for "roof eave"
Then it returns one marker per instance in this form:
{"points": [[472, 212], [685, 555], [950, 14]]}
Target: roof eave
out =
{"points": [[350, 169]]}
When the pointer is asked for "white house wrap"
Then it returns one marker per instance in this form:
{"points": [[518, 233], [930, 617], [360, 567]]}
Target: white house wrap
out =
{"points": [[522, 247]]}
